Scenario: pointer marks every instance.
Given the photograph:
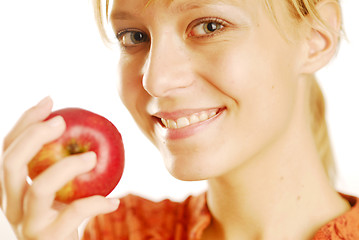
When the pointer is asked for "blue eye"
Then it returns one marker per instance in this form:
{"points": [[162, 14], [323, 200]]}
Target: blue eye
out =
{"points": [[131, 38]]}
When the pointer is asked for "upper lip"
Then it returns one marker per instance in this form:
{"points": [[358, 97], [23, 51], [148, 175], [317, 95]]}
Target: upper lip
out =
{"points": [[173, 115]]}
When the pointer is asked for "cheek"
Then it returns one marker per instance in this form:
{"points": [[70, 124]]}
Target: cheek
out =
{"points": [[133, 95], [128, 84], [259, 85], [265, 89], [254, 73]]}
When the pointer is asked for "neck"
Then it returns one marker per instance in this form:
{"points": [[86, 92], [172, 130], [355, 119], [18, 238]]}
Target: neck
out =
{"points": [[282, 193]]}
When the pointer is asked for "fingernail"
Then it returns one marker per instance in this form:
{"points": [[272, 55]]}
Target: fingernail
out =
{"points": [[90, 157], [55, 121], [114, 202], [44, 101]]}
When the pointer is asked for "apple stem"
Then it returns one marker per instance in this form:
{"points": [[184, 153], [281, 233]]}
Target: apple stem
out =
{"points": [[74, 148]]}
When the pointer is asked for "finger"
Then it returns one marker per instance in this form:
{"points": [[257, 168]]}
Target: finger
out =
{"points": [[16, 158], [40, 196], [35, 114], [69, 220]]}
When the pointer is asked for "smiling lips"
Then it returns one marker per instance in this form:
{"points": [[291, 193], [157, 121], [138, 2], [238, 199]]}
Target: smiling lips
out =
{"points": [[189, 120]]}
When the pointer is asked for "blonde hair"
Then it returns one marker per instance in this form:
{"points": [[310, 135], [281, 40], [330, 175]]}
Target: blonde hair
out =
{"points": [[300, 10]]}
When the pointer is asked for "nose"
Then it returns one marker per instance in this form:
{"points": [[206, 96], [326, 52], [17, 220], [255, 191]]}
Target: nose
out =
{"points": [[167, 70]]}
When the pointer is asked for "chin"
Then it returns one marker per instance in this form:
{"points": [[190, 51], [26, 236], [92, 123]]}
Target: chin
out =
{"points": [[187, 175], [188, 168]]}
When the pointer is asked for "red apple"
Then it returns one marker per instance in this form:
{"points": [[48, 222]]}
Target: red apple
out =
{"points": [[85, 131]]}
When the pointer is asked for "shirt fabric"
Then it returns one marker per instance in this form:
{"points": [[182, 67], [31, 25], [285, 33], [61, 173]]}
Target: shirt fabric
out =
{"points": [[141, 219]]}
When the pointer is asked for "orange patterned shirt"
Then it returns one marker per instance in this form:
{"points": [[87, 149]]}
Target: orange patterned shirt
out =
{"points": [[141, 219]]}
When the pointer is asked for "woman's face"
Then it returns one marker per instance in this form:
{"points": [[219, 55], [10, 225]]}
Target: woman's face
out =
{"points": [[211, 83]]}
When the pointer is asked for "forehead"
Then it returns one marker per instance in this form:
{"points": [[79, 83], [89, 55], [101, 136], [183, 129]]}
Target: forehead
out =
{"points": [[123, 9], [275, 10], [191, 2], [174, 5]]}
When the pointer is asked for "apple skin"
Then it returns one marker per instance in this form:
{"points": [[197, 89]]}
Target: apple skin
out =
{"points": [[85, 131]]}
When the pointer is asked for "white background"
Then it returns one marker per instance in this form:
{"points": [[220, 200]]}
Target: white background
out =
{"points": [[53, 48]]}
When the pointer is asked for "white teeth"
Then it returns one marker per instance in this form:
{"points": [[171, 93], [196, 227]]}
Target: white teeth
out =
{"points": [[182, 122], [193, 119], [186, 121], [172, 124], [212, 113], [203, 116], [165, 123]]}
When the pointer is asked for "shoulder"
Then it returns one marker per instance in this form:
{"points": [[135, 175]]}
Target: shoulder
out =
{"points": [[141, 218], [343, 227]]}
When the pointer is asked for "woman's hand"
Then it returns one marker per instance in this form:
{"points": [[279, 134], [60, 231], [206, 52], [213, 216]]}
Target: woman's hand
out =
{"points": [[31, 209]]}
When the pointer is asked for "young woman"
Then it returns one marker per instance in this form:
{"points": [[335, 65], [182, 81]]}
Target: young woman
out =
{"points": [[226, 91]]}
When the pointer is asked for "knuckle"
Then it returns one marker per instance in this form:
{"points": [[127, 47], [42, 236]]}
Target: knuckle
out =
{"points": [[37, 135], [6, 142], [37, 190], [77, 208], [29, 115], [13, 219], [41, 133], [36, 130], [31, 235], [23, 120], [8, 165], [46, 237], [28, 233], [28, 112], [97, 198]]}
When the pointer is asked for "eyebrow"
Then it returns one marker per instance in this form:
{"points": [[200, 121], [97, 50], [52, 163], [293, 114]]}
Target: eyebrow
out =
{"points": [[187, 6], [190, 5], [174, 8], [122, 15]]}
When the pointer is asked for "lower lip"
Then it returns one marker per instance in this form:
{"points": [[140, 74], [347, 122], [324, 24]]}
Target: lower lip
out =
{"points": [[185, 132]]}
